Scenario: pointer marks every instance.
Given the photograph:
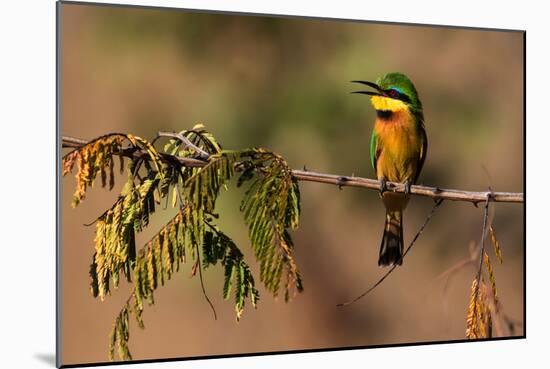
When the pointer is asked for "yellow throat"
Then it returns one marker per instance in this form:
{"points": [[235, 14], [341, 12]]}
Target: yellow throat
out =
{"points": [[385, 103]]}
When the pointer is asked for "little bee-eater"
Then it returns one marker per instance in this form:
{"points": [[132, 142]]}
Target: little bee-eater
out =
{"points": [[398, 150]]}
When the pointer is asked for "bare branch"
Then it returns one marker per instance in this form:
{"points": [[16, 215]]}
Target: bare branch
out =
{"points": [[435, 193]]}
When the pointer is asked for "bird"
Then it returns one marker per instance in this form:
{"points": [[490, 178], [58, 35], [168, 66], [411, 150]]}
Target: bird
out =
{"points": [[398, 149]]}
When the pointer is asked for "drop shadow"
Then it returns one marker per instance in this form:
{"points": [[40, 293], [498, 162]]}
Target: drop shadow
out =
{"points": [[46, 358]]}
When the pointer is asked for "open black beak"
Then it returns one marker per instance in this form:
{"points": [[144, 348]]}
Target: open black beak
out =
{"points": [[379, 91]]}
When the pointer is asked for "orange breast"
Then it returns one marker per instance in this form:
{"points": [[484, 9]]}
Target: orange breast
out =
{"points": [[399, 146]]}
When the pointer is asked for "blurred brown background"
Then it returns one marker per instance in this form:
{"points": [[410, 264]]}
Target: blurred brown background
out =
{"points": [[283, 84]]}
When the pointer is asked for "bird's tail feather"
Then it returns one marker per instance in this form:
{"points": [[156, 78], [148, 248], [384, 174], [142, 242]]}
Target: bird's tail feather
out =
{"points": [[391, 249]]}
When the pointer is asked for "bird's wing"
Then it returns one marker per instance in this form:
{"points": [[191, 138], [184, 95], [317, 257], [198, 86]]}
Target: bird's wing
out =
{"points": [[374, 150], [423, 152]]}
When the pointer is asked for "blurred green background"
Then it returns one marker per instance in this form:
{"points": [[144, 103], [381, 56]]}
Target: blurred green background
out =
{"points": [[283, 84]]}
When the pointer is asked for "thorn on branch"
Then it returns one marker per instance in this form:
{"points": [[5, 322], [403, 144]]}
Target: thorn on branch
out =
{"points": [[341, 181]]}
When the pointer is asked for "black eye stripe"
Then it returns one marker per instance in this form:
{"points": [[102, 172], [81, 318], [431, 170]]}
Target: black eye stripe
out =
{"points": [[393, 93]]}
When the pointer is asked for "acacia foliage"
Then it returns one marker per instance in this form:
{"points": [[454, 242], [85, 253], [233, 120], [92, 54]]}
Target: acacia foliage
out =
{"points": [[271, 208]]}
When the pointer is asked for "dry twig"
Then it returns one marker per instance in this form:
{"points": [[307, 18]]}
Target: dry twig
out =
{"points": [[436, 205]]}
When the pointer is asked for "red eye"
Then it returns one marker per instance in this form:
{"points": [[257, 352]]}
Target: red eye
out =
{"points": [[393, 93]]}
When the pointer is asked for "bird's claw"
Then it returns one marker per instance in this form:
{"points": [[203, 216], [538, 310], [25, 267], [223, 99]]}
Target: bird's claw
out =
{"points": [[383, 186], [407, 187]]}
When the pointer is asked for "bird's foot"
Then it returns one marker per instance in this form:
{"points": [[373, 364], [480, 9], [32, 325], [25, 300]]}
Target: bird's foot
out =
{"points": [[383, 186], [408, 185]]}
